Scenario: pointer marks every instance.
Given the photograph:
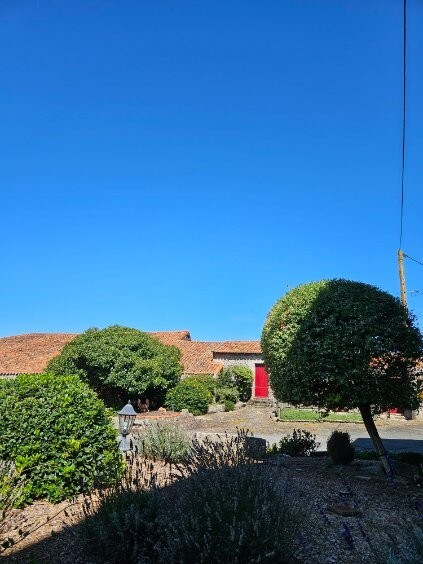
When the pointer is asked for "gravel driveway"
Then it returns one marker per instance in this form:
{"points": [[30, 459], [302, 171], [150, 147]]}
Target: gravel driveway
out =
{"points": [[397, 434]]}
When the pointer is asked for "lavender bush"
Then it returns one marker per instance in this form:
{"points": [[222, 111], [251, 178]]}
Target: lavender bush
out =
{"points": [[221, 506]]}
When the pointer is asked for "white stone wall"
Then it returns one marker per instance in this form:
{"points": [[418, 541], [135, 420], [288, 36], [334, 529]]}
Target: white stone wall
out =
{"points": [[232, 359]]}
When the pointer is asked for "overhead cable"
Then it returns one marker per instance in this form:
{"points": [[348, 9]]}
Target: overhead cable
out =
{"points": [[403, 118]]}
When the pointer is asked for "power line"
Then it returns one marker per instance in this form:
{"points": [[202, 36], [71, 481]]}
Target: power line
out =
{"points": [[403, 117], [413, 259]]}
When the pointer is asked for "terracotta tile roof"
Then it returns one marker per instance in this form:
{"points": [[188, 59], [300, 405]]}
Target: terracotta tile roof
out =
{"points": [[171, 337], [31, 353], [197, 357], [240, 347]]}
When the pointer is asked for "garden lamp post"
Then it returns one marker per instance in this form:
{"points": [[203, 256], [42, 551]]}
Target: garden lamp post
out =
{"points": [[126, 420]]}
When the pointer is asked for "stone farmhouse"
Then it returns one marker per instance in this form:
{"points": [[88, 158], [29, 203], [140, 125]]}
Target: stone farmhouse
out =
{"points": [[30, 353]]}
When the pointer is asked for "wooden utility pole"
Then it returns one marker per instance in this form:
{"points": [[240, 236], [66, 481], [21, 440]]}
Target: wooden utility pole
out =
{"points": [[403, 287]]}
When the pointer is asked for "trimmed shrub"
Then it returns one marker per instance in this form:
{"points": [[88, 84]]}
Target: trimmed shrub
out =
{"points": [[164, 441], [239, 377], [120, 362], [56, 432], [339, 448], [206, 381], [188, 395], [342, 344], [300, 443], [229, 405]]}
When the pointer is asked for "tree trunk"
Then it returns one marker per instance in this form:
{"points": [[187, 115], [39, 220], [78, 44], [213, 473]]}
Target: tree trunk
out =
{"points": [[368, 421]]}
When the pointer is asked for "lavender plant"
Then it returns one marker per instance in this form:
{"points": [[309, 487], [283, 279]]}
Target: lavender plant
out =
{"points": [[11, 487], [163, 441], [230, 514], [119, 523], [221, 506]]}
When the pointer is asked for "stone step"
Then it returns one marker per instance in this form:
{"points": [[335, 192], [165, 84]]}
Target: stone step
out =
{"points": [[261, 402]]}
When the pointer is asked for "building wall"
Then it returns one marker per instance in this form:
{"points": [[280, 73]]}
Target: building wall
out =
{"points": [[7, 376], [232, 359]]}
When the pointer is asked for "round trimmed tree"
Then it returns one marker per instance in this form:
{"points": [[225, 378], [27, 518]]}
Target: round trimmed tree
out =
{"points": [[120, 362], [343, 344]]}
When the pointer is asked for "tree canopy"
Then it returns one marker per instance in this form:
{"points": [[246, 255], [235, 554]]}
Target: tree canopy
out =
{"points": [[338, 343], [119, 362]]}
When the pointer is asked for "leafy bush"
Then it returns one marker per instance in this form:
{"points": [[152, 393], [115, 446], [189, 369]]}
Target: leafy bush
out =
{"points": [[188, 395], [226, 394], [57, 434], [163, 441], [339, 448], [239, 377], [119, 362], [300, 443], [206, 381], [229, 405]]}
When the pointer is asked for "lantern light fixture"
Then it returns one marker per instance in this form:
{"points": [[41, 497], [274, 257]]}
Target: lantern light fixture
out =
{"points": [[126, 421]]}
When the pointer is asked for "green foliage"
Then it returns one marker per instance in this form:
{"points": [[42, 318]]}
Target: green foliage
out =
{"points": [[190, 395], [239, 377], [229, 405], [206, 381], [341, 344], [163, 441], [339, 448], [226, 394], [119, 362], [300, 443], [57, 434]]}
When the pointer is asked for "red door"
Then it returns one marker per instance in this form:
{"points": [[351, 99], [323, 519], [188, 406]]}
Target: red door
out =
{"points": [[261, 382]]}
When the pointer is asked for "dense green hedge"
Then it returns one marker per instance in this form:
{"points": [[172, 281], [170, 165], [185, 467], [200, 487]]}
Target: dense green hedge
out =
{"points": [[191, 395], [57, 433]]}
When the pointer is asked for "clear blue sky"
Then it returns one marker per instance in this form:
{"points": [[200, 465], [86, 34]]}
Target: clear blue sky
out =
{"points": [[181, 164]]}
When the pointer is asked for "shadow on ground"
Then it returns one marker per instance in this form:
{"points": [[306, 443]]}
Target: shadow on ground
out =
{"points": [[391, 445]]}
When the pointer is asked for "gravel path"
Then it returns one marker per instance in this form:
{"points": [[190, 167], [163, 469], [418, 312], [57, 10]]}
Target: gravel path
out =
{"points": [[260, 421]]}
